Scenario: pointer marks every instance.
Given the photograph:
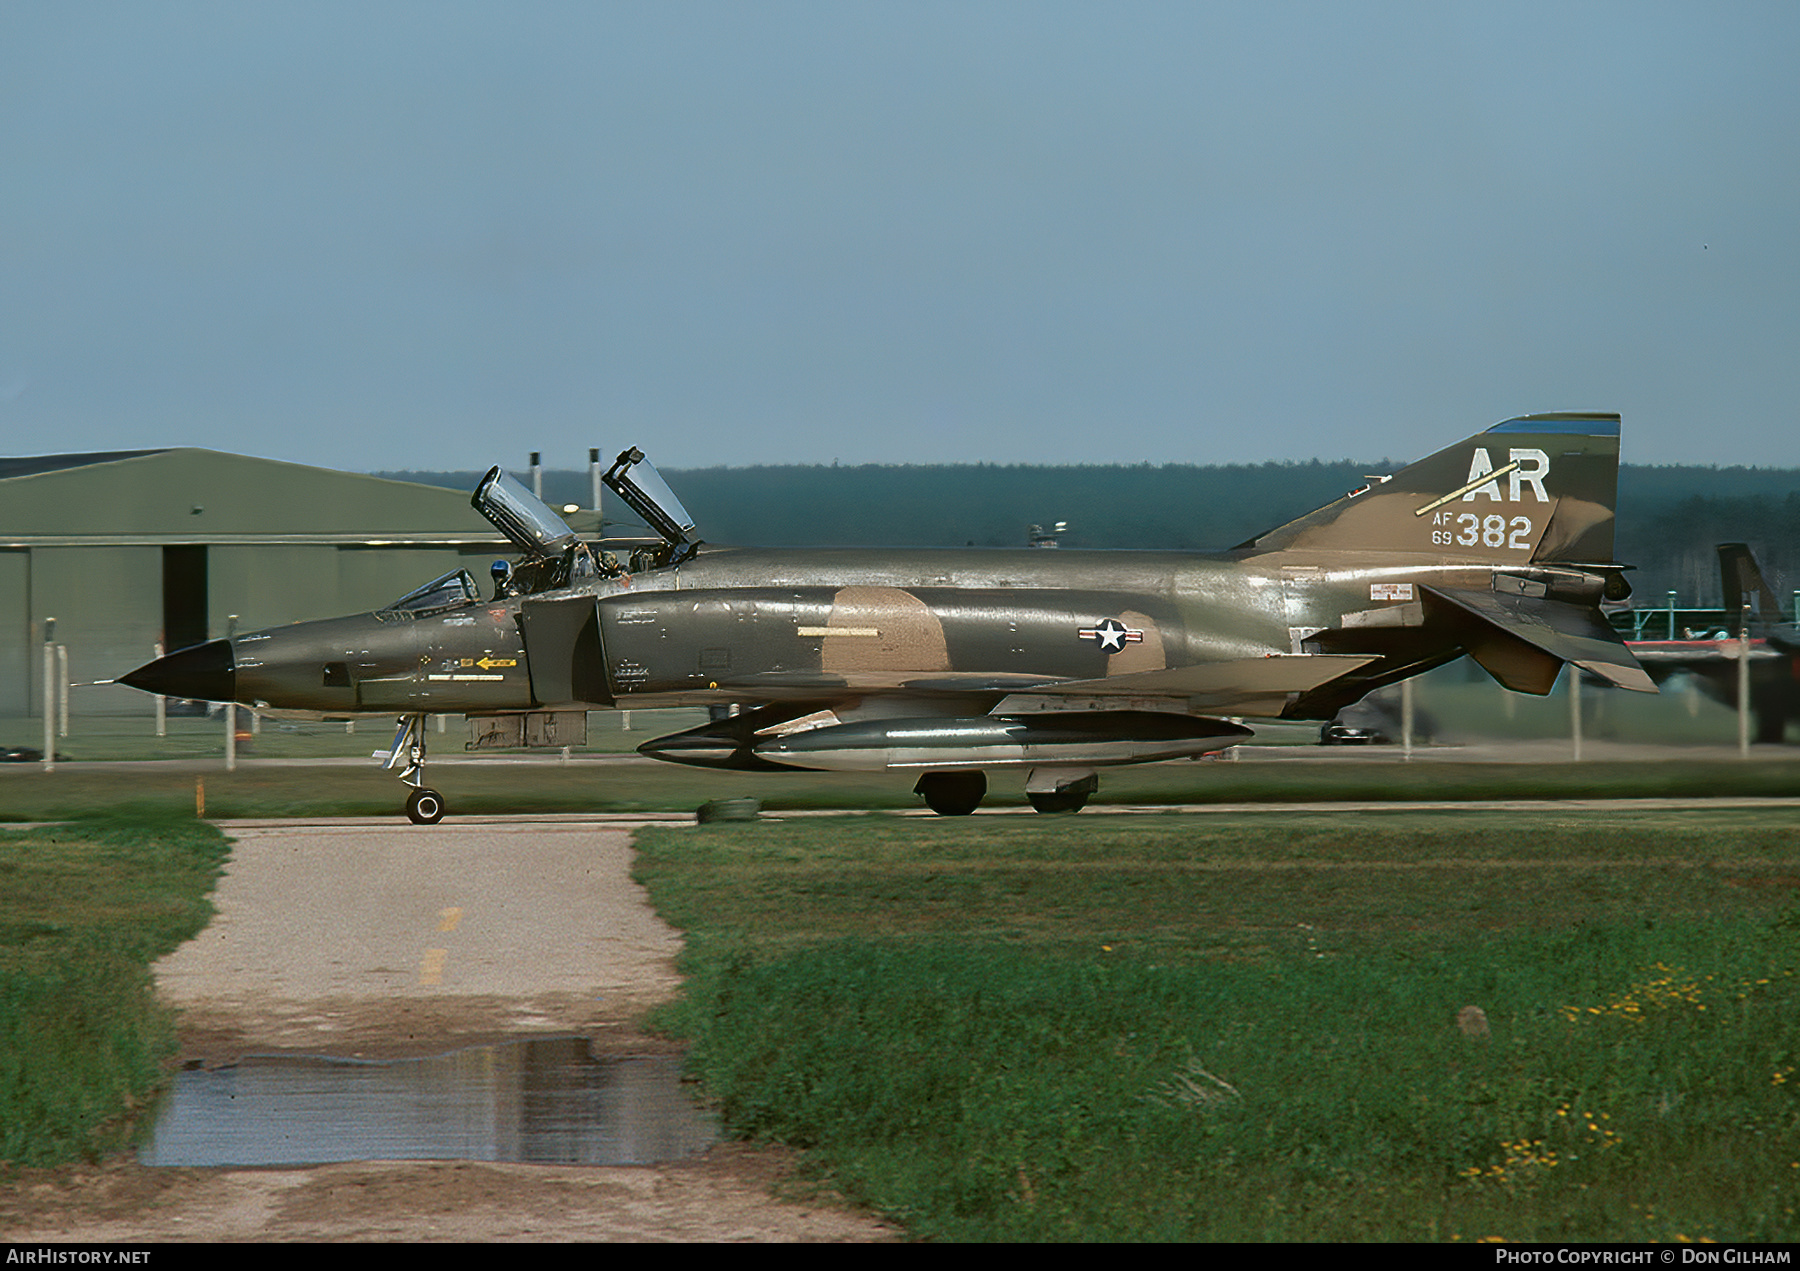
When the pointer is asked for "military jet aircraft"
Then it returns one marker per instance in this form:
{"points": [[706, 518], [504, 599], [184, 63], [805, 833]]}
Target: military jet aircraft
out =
{"points": [[1772, 655], [948, 664]]}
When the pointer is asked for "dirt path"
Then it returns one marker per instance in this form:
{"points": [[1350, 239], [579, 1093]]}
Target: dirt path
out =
{"points": [[384, 940]]}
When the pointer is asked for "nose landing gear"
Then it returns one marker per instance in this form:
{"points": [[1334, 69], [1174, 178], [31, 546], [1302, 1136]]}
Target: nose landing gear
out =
{"points": [[424, 806]]}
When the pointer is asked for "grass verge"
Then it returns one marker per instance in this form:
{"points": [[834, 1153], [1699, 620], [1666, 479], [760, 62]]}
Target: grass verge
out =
{"points": [[501, 786], [84, 910], [1248, 1028]]}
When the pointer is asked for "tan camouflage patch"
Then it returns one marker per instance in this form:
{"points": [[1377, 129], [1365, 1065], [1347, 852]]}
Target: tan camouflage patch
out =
{"points": [[882, 629], [1146, 655]]}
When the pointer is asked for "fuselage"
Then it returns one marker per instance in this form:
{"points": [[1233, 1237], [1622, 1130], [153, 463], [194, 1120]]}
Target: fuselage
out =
{"points": [[750, 624]]}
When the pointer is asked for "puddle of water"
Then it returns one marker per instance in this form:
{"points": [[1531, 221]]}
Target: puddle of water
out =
{"points": [[547, 1101]]}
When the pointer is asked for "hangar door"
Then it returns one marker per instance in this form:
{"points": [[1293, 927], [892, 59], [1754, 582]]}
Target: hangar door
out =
{"points": [[183, 596]]}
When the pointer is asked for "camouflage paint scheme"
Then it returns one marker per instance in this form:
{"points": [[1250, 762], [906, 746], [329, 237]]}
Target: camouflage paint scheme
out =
{"points": [[951, 662]]}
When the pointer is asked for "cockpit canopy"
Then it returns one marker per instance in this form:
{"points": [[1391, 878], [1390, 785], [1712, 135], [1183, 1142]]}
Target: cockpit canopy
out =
{"points": [[455, 588], [636, 480], [520, 515], [552, 555]]}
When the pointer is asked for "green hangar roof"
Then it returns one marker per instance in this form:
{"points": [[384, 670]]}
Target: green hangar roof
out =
{"points": [[190, 495], [131, 549]]}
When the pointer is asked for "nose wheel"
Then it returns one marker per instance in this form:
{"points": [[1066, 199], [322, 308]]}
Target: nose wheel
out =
{"points": [[424, 806]]}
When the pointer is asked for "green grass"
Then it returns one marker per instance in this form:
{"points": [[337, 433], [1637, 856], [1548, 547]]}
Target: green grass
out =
{"points": [[1244, 1026], [84, 910], [133, 737], [490, 786], [500, 786]]}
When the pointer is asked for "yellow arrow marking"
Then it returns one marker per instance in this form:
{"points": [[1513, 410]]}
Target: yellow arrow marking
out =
{"points": [[487, 663]]}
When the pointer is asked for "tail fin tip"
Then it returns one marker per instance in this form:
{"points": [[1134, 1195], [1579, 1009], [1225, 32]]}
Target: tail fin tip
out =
{"points": [[1529, 488], [1583, 423]]}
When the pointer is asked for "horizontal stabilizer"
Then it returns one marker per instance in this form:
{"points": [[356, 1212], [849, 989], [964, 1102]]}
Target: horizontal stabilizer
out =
{"points": [[1523, 641]]}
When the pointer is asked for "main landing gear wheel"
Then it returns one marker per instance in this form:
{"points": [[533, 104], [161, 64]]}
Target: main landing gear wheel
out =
{"points": [[952, 793], [425, 807], [1058, 800]]}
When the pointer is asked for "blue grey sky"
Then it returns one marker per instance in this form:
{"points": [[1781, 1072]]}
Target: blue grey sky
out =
{"points": [[379, 235]]}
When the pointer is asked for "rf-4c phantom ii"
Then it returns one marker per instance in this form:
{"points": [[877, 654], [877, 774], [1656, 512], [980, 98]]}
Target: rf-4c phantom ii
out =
{"points": [[947, 664]]}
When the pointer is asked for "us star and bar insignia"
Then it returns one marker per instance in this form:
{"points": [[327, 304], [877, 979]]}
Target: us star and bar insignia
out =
{"points": [[1111, 635]]}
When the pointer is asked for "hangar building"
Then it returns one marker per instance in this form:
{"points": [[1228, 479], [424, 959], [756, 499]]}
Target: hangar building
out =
{"points": [[128, 548]]}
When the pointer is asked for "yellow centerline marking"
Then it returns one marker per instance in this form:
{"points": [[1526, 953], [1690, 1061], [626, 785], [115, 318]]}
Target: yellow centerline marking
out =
{"points": [[448, 918], [431, 966]]}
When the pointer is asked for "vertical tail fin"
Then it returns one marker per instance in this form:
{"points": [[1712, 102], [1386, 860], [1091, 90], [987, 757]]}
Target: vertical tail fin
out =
{"points": [[1534, 488], [1742, 586]]}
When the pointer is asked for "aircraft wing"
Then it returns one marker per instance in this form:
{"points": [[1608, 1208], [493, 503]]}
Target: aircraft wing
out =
{"points": [[1243, 686], [799, 684], [1246, 686]]}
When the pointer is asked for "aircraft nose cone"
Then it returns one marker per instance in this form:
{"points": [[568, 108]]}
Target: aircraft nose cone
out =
{"points": [[203, 671]]}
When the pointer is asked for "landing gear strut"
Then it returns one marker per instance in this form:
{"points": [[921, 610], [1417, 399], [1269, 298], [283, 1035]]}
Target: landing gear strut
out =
{"points": [[953, 793], [424, 806]]}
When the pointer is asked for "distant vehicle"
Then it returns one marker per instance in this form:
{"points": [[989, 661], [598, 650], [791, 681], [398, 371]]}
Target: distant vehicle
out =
{"points": [[1348, 735], [947, 664], [1375, 721]]}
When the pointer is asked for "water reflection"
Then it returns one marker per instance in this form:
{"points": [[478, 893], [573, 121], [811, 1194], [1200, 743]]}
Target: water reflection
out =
{"points": [[546, 1101]]}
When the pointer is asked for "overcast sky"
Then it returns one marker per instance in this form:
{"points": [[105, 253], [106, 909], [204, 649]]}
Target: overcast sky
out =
{"points": [[376, 235]]}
